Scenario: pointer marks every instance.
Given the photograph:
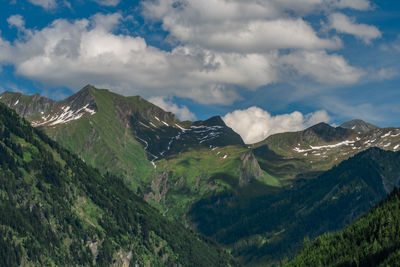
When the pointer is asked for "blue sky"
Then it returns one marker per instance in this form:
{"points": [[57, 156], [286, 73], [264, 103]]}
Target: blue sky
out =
{"points": [[330, 60]]}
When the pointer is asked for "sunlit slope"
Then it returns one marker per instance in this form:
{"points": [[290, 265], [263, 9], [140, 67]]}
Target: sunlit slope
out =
{"points": [[184, 178], [307, 153], [57, 211]]}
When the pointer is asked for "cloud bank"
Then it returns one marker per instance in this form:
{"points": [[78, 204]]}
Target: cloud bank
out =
{"points": [[219, 48], [255, 124]]}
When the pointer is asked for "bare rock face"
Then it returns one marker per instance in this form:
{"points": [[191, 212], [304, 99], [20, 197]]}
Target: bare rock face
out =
{"points": [[249, 168], [325, 132], [27, 106], [359, 126]]}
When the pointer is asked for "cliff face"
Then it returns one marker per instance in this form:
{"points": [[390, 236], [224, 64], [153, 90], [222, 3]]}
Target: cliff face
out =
{"points": [[27, 106], [249, 168]]}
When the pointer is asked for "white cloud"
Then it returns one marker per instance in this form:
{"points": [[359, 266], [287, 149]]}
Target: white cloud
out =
{"points": [[354, 4], [107, 2], [343, 24], [235, 26], [73, 53], [255, 124], [16, 21], [219, 48], [322, 67], [182, 112], [46, 4]]}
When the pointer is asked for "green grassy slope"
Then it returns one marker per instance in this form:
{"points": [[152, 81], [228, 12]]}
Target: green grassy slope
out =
{"points": [[185, 178], [373, 240], [106, 142], [57, 211]]}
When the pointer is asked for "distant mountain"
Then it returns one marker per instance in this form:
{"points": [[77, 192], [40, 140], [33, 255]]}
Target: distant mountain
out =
{"points": [[359, 126], [262, 225], [28, 106], [372, 240], [308, 153], [58, 211]]}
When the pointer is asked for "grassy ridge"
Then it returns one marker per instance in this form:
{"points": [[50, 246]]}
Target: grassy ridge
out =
{"points": [[57, 211], [106, 142]]}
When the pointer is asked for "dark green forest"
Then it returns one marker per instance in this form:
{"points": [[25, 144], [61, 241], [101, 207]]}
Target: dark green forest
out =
{"points": [[373, 240], [55, 210]]}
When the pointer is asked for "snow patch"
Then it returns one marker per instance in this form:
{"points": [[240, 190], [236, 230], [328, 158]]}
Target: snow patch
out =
{"points": [[16, 102], [396, 147], [387, 145], [67, 115], [180, 127], [387, 134], [141, 123], [90, 111], [225, 156], [166, 124], [144, 141], [344, 143]]}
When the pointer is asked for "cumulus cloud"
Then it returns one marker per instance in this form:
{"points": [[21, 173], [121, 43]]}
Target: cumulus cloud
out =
{"points": [[236, 26], [219, 47], [255, 124], [343, 24], [182, 112], [73, 53], [16, 21], [46, 4], [323, 67]]}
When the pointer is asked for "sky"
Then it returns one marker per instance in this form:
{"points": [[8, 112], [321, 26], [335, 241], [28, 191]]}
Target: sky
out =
{"points": [[266, 66]]}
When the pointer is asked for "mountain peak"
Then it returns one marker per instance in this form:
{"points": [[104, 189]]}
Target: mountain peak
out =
{"points": [[27, 105], [326, 132], [359, 126], [214, 121]]}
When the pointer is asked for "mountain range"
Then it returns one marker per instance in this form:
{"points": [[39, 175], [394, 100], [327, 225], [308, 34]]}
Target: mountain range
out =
{"points": [[258, 201], [57, 211]]}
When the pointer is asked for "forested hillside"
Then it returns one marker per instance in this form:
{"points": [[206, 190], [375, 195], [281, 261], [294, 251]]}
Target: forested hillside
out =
{"points": [[264, 228], [55, 210], [373, 240]]}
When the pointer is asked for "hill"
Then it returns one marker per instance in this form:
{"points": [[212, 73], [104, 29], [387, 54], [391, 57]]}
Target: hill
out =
{"points": [[56, 210], [308, 153], [372, 240]]}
